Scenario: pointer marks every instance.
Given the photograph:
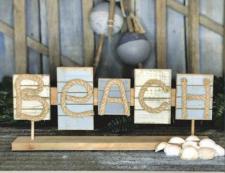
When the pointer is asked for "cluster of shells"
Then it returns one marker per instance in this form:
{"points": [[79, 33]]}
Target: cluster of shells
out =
{"points": [[191, 148]]}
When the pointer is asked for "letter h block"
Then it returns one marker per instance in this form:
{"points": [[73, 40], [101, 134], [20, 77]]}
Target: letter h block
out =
{"points": [[194, 97]]}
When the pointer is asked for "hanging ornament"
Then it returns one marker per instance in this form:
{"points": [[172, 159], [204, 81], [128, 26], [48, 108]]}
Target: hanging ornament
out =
{"points": [[106, 19], [100, 21], [133, 47]]}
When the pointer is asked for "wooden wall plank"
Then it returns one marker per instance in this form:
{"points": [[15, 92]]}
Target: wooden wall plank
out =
{"points": [[6, 42], [176, 53], [224, 53], [71, 33], [44, 35], [161, 35], [20, 36], [32, 27], [211, 49], [204, 20], [193, 36], [153, 97], [224, 48], [66, 121], [53, 36], [88, 35], [145, 10]]}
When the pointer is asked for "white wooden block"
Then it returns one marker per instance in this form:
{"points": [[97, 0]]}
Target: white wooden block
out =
{"points": [[32, 108], [79, 121], [195, 87], [113, 108], [153, 97]]}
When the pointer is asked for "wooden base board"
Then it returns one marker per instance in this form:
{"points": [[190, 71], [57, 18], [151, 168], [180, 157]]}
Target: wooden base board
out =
{"points": [[45, 143]]}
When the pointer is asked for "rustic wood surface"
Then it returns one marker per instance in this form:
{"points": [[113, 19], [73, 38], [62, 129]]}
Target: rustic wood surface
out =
{"points": [[87, 143], [161, 12], [100, 160], [20, 36], [53, 36]]}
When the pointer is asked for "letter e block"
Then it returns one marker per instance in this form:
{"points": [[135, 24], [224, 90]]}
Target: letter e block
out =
{"points": [[75, 98]]}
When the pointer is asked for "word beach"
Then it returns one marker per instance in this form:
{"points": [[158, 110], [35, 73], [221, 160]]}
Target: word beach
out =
{"points": [[152, 97]]}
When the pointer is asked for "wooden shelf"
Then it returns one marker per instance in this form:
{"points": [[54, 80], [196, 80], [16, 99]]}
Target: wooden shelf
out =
{"points": [[47, 143]]}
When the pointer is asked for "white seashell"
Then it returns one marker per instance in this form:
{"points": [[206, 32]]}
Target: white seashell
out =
{"points": [[192, 138], [160, 146], [189, 153], [172, 150], [190, 144], [208, 143], [205, 153], [176, 140], [220, 151]]}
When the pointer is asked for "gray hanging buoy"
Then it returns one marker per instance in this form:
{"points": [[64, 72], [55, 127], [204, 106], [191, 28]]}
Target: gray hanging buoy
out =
{"points": [[133, 48]]}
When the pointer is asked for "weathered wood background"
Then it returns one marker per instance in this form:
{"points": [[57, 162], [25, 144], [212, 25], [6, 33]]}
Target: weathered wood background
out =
{"points": [[38, 35]]}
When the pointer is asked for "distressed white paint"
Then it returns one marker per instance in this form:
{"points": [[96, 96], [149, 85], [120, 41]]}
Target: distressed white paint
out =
{"points": [[32, 108], [153, 97]]}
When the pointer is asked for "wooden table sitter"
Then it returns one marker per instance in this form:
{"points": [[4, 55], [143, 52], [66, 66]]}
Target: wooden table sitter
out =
{"points": [[76, 96]]}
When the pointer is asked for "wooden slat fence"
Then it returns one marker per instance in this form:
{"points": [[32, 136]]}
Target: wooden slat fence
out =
{"points": [[37, 36]]}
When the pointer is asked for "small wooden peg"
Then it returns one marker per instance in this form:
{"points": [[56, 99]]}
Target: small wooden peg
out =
{"points": [[32, 130], [192, 127]]}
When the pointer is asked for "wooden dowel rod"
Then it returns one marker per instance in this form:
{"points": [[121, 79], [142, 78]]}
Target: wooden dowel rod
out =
{"points": [[123, 8], [99, 50], [192, 127], [112, 5], [32, 130], [130, 24]]}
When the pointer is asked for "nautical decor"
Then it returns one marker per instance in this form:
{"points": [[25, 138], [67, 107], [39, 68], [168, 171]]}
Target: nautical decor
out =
{"points": [[75, 96], [99, 19], [133, 48]]}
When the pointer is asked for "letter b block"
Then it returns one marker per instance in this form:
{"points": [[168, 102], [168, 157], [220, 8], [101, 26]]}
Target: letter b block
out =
{"points": [[31, 97]]}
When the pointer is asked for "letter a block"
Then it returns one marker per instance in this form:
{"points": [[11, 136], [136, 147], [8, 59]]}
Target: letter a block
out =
{"points": [[75, 98], [31, 97], [152, 96], [194, 97], [114, 97]]}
